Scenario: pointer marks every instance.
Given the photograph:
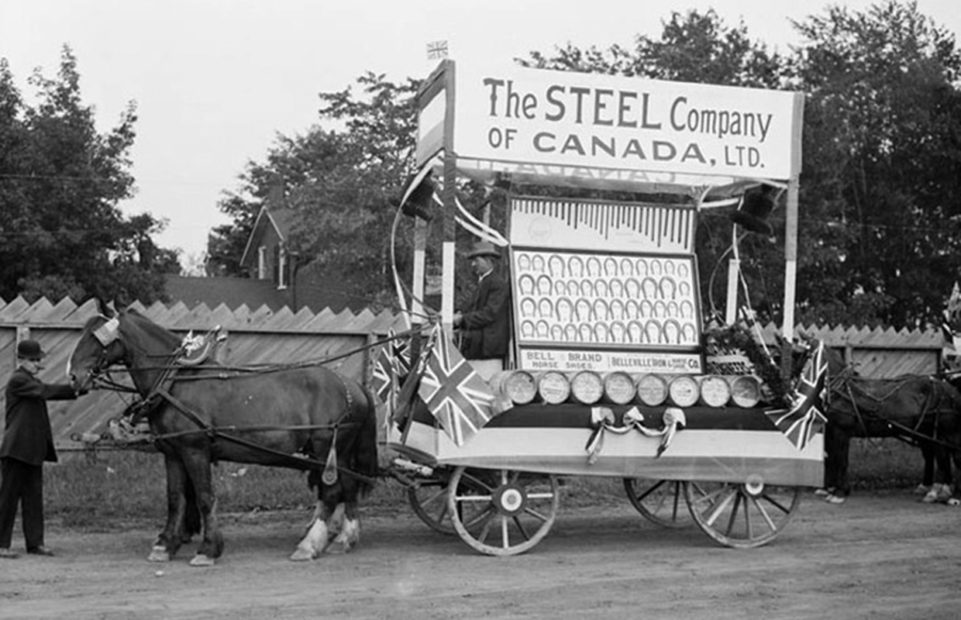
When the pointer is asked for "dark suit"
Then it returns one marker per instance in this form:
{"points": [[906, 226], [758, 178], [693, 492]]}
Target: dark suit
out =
{"points": [[27, 443], [486, 322]]}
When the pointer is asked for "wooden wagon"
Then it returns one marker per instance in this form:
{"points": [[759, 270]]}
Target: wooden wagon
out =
{"points": [[611, 371]]}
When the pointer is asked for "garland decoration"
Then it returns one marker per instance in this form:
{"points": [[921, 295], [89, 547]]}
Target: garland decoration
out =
{"points": [[732, 340]]}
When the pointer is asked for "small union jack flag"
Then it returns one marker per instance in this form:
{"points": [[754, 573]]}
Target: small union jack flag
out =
{"points": [[803, 419], [455, 394], [390, 368], [436, 50]]}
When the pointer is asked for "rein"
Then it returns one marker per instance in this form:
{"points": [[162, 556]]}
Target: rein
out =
{"points": [[842, 385]]}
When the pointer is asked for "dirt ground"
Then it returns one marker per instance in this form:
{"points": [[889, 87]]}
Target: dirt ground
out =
{"points": [[878, 556]]}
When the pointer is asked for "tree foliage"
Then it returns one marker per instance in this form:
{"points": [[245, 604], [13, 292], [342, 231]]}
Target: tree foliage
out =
{"points": [[339, 179], [61, 232], [880, 186]]}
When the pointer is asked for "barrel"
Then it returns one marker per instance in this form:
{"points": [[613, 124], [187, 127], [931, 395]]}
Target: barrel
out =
{"points": [[517, 386], [651, 390], [683, 391], [619, 388], [715, 391], [587, 387], [745, 390], [553, 387]]}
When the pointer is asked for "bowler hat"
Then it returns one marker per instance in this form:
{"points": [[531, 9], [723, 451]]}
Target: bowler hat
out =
{"points": [[484, 248], [29, 350]]}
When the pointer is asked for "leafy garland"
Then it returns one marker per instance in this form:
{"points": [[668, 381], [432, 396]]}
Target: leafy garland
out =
{"points": [[738, 337]]}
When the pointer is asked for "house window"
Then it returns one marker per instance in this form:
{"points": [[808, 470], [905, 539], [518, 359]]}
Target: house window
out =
{"points": [[262, 262], [282, 269]]}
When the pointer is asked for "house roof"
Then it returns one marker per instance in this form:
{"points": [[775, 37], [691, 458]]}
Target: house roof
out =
{"points": [[233, 292], [281, 219]]}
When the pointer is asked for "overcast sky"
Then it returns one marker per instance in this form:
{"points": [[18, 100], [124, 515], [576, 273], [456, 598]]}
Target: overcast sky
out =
{"points": [[216, 80]]}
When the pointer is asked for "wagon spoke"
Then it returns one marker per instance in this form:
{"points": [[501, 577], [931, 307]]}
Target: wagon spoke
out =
{"points": [[733, 519], [767, 518], [520, 528], [505, 534], [776, 503], [483, 517], [719, 506], [747, 515]]}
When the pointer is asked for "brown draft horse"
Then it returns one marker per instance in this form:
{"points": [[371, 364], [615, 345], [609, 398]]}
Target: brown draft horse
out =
{"points": [[923, 410], [295, 416]]}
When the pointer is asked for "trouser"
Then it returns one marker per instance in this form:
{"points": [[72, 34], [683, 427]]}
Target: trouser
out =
{"points": [[22, 484]]}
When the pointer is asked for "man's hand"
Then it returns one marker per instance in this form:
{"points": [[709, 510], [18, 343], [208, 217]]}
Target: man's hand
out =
{"points": [[458, 319]]}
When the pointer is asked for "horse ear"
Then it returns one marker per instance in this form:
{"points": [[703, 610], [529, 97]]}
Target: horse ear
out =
{"points": [[105, 308]]}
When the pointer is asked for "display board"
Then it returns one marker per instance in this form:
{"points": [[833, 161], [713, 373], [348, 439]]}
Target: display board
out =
{"points": [[633, 306]]}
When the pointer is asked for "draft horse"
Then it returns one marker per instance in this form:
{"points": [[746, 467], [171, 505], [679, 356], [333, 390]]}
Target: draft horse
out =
{"points": [[299, 416], [920, 409]]}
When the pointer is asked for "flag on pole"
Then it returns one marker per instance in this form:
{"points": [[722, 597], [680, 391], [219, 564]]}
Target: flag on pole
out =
{"points": [[437, 50], [455, 394], [390, 369], [803, 418]]}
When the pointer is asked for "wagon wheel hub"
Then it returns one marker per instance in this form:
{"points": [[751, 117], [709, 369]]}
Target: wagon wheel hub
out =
{"points": [[754, 485], [509, 499]]}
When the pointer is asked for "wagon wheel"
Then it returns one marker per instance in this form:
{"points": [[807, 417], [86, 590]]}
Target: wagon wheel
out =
{"points": [[659, 501], [741, 515], [428, 498], [502, 512]]}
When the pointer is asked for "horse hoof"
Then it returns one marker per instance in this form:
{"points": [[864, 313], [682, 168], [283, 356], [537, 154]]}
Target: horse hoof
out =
{"points": [[301, 555], [921, 489], [834, 499], [338, 548], [158, 554], [201, 560], [953, 501], [822, 492]]}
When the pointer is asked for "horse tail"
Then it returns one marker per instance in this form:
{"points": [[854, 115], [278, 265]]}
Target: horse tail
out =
{"points": [[365, 457]]}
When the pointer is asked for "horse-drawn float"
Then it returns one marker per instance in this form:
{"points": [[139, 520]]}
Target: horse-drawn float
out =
{"points": [[599, 183]]}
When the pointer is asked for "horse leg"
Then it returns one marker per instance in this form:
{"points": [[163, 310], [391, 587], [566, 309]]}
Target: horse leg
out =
{"points": [[317, 535], [191, 515], [927, 479], [211, 547], [349, 534], [170, 539], [941, 488]]}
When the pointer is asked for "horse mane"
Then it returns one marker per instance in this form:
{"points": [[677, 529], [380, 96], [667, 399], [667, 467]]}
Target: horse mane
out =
{"points": [[153, 331]]}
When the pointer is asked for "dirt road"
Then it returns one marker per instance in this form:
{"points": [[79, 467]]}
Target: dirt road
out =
{"points": [[878, 556]]}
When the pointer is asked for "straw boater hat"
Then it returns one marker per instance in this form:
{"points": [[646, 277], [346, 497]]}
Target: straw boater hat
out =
{"points": [[483, 248]]}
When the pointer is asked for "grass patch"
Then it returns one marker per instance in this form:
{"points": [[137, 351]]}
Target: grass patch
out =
{"points": [[100, 489]]}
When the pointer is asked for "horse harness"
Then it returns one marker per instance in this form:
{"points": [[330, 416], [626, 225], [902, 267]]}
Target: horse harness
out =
{"points": [[161, 391], [843, 384]]}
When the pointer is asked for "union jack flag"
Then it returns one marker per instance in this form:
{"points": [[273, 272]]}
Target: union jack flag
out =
{"points": [[455, 394], [390, 368], [803, 419]]}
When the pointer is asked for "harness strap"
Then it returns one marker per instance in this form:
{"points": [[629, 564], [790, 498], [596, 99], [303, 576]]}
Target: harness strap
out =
{"points": [[300, 462]]}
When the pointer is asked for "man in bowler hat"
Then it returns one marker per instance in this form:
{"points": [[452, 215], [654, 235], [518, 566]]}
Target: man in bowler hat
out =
{"points": [[485, 324], [27, 443]]}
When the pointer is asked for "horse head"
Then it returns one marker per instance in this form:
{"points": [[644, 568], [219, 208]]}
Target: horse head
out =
{"points": [[99, 347]]}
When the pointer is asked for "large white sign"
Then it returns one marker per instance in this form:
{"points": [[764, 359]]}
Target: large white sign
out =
{"points": [[542, 117]]}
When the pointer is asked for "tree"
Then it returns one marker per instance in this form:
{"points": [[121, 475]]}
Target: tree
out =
{"points": [[60, 182], [339, 182], [882, 166]]}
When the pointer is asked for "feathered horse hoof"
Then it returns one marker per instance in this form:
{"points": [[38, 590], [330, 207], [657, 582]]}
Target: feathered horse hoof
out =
{"points": [[831, 498]]}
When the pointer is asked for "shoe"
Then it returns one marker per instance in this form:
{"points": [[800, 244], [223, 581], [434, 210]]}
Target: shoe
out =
{"points": [[41, 550], [8, 554]]}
